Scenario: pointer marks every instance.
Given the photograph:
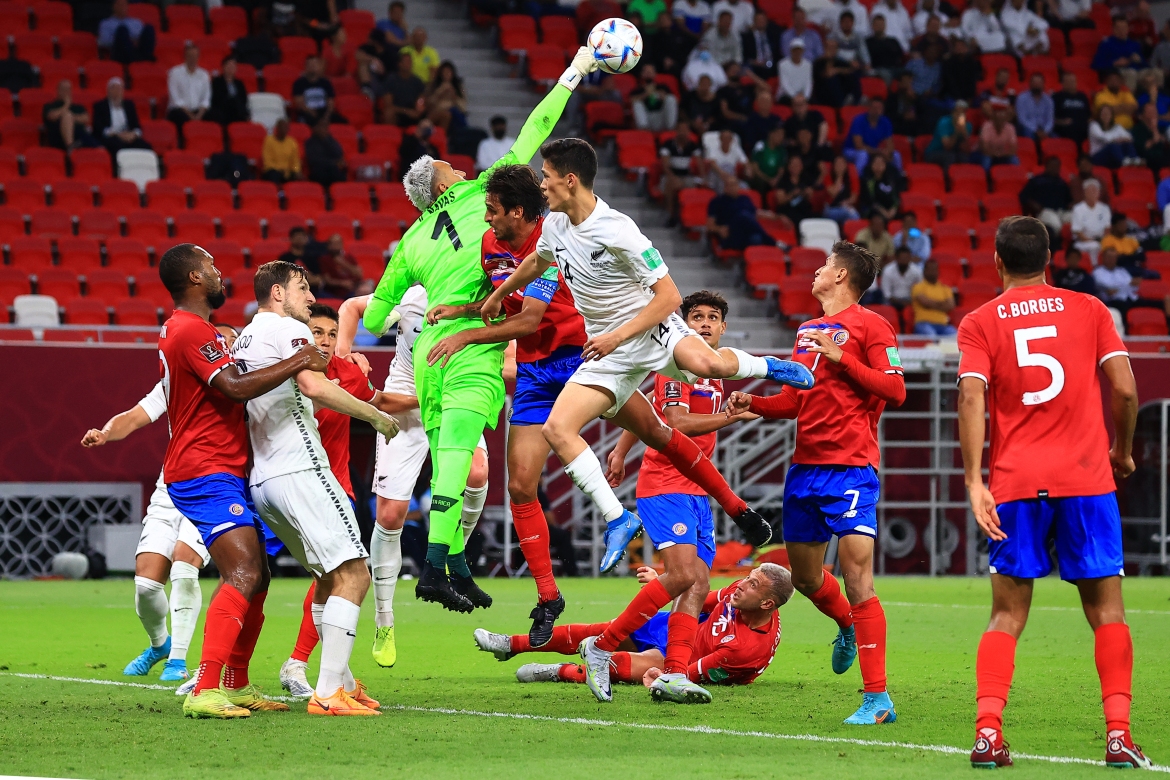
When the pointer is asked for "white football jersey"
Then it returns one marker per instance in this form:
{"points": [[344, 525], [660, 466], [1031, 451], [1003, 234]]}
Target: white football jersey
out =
{"points": [[280, 422], [155, 406], [412, 309], [607, 263]]}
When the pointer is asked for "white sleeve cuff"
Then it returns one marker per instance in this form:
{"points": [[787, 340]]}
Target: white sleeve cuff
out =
{"points": [[1112, 355]]}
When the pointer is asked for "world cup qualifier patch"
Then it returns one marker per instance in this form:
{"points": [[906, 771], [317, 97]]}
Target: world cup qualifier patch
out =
{"points": [[211, 351], [298, 343]]}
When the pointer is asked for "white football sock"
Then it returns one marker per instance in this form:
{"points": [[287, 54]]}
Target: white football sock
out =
{"points": [[585, 471], [473, 501], [339, 622], [317, 610], [749, 365], [386, 561], [150, 602], [186, 603]]}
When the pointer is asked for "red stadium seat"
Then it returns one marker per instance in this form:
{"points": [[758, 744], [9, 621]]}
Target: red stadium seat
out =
{"points": [[950, 269], [80, 48], [88, 311], [328, 224], [79, 254], [380, 229], [119, 196], [923, 207], [229, 257], [351, 197], [11, 222], [797, 303], [984, 272], [136, 311], [213, 196], [24, 195], [193, 227], [961, 209], [61, 283], [1137, 209], [307, 196], [168, 50], [33, 46], [202, 138], [1145, 322], [347, 137], [370, 256], [267, 251], [126, 254], [160, 134], [872, 86], [295, 49], [258, 197], [150, 288], [247, 138], [148, 80], [975, 293], [280, 78], [560, 31], [242, 227], [73, 195], [51, 223], [98, 223], [1009, 178], [1153, 290], [186, 20], [247, 75], [1140, 176], [146, 12], [951, 238], [106, 284], [603, 118], [1046, 67], [91, 165], [890, 314], [149, 227], [1084, 42], [1057, 48], [228, 22], [281, 222], [184, 167], [6, 107], [241, 284], [1000, 205], [358, 110], [968, 179], [13, 282], [14, 16], [29, 253], [805, 260], [383, 140], [517, 34], [53, 72], [357, 23], [545, 64], [167, 197], [401, 210], [20, 134]]}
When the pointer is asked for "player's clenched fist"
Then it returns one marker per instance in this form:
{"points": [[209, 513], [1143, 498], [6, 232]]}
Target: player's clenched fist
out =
{"points": [[385, 425], [1123, 465], [738, 403], [95, 438], [318, 360]]}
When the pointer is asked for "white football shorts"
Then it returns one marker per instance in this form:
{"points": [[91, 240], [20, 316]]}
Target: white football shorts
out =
{"points": [[164, 525], [398, 462]]}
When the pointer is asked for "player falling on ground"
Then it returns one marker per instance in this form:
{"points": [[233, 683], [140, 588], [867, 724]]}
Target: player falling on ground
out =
{"points": [[736, 641], [676, 512], [832, 486], [441, 251], [294, 489], [204, 471], [1030, 358], [399, 462], [350, 374], [623, 290], [549, 333]]}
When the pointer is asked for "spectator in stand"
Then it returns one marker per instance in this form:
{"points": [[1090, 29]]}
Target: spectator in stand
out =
{"points": [[337, 55], [871, 133], [66, 123], [899, 278], [997, 139], [932, 37], [692, 17], [115, 120], [280, 156], [961, 72], [1047, 197], [1090, 219], [1072, 276], [742, 13], [876, 238], [722, 41], [731, 217], [812, 155], [737, 96], [681, 156], [722, 154], [1127, 247], [699, 64], [1160, 57], [759, 123], [1150, 91], [912, 239], [423, 57], [1118, 97], [851, 41], [1118, 53], [1110, 144], [188, 89], [655, 107], [903, 105], [306, 254], [1115, 285], [313, 94], [1083, 174], [1035, 111], [702, 106], [1141, 25], [126, 38], [982, 27], [794, 191], [761, 46], [495, 146], [1027, 33], [886, 55], [229, 96], [926, 73], [835, 78], [1070, 14], [666, 47], [767, 164], [371, 64], [932, 303], [951, 140], [1001, 89], [796, 74], [416, 144], [1071, 111], [898, 24], [446, 99], [813, 45], [804, 118], [948, 25], [650, 10], [394, 25], [592, 12], [1149, 140], [880, 188], [403, 103], [841, 192], [341, 275], [324, 156]]}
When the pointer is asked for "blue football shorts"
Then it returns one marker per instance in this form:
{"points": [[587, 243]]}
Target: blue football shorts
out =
{"points": [[216, 504], [823, 501], [653, 634], [677, 518], [1086, 531], [539, 383]]}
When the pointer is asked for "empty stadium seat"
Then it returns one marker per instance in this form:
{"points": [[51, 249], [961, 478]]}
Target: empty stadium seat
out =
{"points": [[79, 254], [87, 311], [358, 110], [51, 223], [136, 311], [167, 197], [247, 138], [19, 134], [517, 34], [380, 229], [127, 254], [193, 227], [228, 22], [961, 209], [350, 197], [259, 197], [974, 293], [202, 138], [305, 196], [186, 20], [281, 222], [160, 134], [328, 224], [108, 285], [242, 227], [73, 195], [14, 16], [30, 253], [61, 283], [295, 49], [1145, 322], [149, 227], [267, 251], [241, 286], [36, 311], [91, 165], [228, 254], [137, 165], [968, 178], [213, 196], [13, 282], [279, 79], [560, 31], [184, 167], [889, 313], [24, 195], [32, 46], [150, 288], [266, 108], [98, 223]]}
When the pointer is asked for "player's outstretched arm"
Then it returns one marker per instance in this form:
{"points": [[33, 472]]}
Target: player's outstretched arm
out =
{"points": [[117, 428], [972, 429], [396, 280], [890, 387], [244, 387], [1123, 401], [316, 386], [666, 299], [348, 316], [394, 403], [782, 406], [517, 327], [687, 422]]}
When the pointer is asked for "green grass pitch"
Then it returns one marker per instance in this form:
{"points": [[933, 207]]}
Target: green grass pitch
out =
{"points": [[462, 714]]}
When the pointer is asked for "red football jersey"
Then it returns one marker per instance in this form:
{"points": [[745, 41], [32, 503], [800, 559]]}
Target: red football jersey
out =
{"points": [[1037, 348], [657, 476], [334, 426], [208, 431], [837, 419], [727, 650], [561, 325]]}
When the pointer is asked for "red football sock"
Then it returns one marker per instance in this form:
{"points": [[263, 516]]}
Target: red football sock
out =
{"points": [[994, 666], [645, 605], [225, 620], [1113, 651], [680, 642], [828, 599], [869, 620], [690, 461], [565, 639], [532, 533], [235, 673], [572, 673], [307, 636], [619, 668]]}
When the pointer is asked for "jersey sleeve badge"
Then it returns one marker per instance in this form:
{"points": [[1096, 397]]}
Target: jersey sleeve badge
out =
{"points": [[211, 352]]}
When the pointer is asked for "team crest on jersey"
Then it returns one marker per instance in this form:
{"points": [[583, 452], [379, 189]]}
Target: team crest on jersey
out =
{"points": [[298, 343], [211, 351], [726, 639], [236, 509], [679, 529], [840, 337]]}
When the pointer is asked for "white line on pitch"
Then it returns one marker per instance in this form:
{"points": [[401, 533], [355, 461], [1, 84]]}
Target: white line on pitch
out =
{"points": [[945, 749]]}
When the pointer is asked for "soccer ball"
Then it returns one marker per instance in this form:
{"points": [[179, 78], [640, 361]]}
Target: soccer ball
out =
{"points": [[616, 45]]}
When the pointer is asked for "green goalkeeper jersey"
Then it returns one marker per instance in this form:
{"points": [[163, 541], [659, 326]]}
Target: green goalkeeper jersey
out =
{"points": [[441, 250]]}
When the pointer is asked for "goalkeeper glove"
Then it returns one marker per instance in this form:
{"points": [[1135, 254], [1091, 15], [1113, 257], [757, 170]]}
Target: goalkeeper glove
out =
{"points": [[583, 64]]}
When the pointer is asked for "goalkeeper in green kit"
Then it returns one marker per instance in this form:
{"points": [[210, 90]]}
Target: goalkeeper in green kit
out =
{"points": [[441, 251]]}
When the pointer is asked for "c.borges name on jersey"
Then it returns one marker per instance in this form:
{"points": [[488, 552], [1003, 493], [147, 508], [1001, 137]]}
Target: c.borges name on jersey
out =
{"points": [[1026, 308]]}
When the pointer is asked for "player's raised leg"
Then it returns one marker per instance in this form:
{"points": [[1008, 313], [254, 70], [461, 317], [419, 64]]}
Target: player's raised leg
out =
{"points": [[694, 355]]}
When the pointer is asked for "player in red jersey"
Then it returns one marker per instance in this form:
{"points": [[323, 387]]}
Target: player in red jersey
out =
{"points": [[1030, 358], [204, 470], [549, 334], [349, 373], [735, 643], [832, 486]]}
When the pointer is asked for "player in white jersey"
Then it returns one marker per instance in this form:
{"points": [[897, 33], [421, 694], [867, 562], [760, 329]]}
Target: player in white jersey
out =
{"points": [[399, 461], [292, 486]]}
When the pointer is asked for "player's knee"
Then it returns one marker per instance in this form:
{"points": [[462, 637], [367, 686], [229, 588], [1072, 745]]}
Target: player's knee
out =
{"points": [[709, 364], [520, 490], [555, 433], [805, 583], [478, 476], [248, 582]]}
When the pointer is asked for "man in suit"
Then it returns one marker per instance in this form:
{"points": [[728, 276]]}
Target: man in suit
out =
{"points": [[229, 97], [761, 46], [115, 120]]}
